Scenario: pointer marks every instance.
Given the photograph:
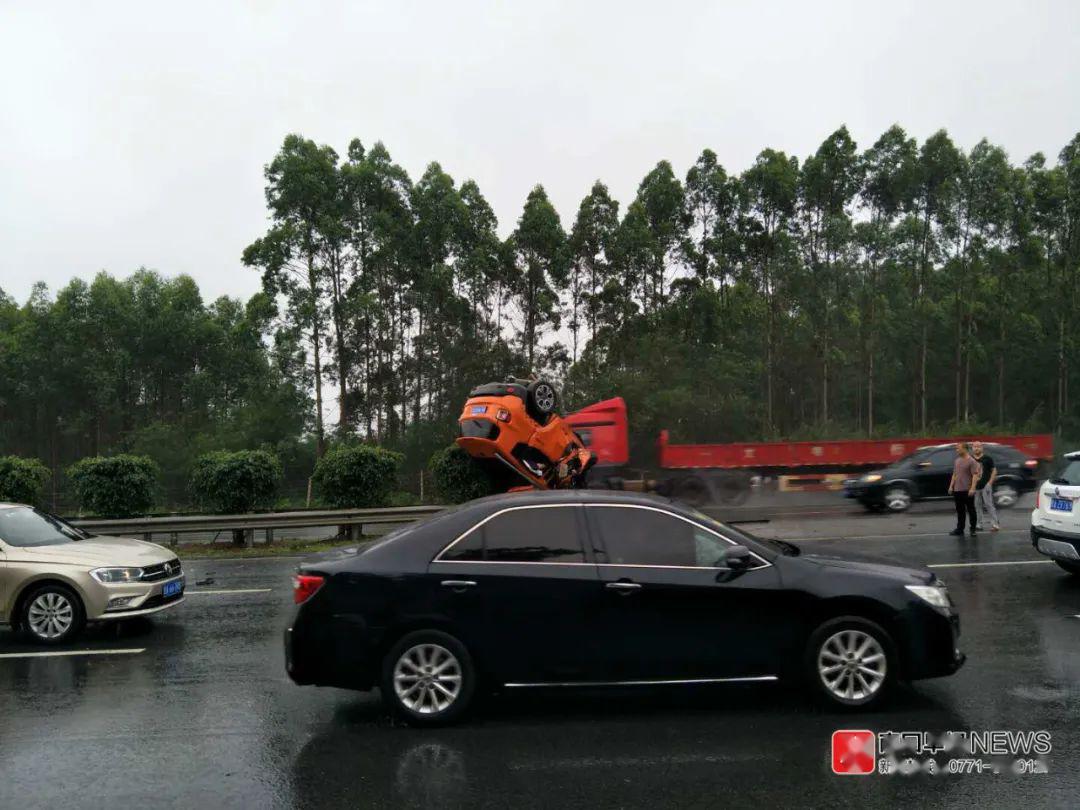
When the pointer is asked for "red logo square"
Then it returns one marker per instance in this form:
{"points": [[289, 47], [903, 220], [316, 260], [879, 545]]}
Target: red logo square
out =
{"points": [[853, 752]]}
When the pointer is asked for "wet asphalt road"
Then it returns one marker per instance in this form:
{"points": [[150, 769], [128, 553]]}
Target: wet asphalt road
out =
{"points": [[196, 709]]}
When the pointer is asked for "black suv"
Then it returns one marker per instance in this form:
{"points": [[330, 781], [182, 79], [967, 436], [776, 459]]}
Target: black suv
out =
{"points": [[926, 473]]}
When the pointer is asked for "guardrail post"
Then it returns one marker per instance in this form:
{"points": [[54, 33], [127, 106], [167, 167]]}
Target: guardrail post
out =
{"points": [[148, 536], [249, 538], [174, 538], [269, 536]]}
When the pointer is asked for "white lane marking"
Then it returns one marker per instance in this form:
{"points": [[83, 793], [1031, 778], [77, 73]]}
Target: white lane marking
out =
{"points": [[944, 535], [1002, 562], [231, 590], [59, 653]]}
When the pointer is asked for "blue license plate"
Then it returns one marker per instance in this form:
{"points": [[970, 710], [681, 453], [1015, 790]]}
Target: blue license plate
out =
{"points": [[1061, 505], [478, 409], [172, 588]]}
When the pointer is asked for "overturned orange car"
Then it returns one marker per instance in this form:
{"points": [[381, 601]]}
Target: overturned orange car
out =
{"points": [[515, 424]]}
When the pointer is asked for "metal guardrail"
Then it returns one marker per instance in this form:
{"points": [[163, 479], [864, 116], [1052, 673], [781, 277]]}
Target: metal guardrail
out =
{"points": [[174, 525]]}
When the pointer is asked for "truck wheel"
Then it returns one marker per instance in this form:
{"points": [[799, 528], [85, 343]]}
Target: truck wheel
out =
{"points": [[541, 400], [732, 490], [692, 491]]}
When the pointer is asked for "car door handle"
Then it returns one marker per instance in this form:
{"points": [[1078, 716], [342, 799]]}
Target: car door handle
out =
{"points": [[624, 587], [459, 584]]}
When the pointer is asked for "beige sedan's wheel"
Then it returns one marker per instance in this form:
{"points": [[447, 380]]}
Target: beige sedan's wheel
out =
{"points": [[52, 614]]}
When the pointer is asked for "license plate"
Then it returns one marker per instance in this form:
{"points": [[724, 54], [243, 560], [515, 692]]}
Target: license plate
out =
{"points": [[1061, 504], [477, 409], [172, 588]]}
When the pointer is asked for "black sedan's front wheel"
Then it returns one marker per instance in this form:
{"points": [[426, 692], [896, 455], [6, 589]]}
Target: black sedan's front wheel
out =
{"points": [[428, 678], [850, 662]]}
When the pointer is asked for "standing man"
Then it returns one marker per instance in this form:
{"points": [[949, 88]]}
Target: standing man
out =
{"points": [[984, 489], [966, 472]]}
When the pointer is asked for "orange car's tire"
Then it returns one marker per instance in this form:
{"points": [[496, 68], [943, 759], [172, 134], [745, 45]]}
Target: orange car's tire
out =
{"points": [[541, 400]]}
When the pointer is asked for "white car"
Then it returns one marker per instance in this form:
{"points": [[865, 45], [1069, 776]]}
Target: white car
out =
{"points": [[1055, 520]]}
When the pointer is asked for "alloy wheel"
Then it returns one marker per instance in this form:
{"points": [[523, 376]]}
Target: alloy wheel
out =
{"points": [[50, 615], [897, 499], [1005, 496], [427, 679], [545, 397], [852, 665]]}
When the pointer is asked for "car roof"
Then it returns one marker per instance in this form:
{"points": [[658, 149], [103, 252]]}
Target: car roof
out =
{"points": [[536, 496], [1073, 454], [948, 445], [5, 505]]}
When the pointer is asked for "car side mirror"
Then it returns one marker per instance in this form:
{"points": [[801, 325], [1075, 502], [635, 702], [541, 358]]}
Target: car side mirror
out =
{"points": [[736, 558]]}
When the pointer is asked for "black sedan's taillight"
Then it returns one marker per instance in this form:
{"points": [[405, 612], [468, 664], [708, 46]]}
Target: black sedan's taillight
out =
{"points": [[305, 586]]}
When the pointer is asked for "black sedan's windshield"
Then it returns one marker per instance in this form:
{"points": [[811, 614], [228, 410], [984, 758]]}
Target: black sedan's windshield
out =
{"points": [[23, 526], [739, 533]]}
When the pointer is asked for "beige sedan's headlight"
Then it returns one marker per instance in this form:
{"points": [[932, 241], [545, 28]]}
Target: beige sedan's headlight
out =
{"points": [[113, 576], [873, 478]]}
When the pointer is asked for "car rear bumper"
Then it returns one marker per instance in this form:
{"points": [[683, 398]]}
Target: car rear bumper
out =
{"points": [[1056, 544], [330, 651]]}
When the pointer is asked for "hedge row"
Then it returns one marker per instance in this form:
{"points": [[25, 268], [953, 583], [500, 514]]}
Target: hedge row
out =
{"points": [[347, 476]]}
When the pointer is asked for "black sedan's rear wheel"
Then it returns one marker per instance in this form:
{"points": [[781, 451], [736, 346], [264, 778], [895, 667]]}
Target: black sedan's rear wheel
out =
{"points": [[850, 662], [428, 678]]}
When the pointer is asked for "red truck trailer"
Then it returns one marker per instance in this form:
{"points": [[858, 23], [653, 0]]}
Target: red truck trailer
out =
{"points": [[722, 473]]}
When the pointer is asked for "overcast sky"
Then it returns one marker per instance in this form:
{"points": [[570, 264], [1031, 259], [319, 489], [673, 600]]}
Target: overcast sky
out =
{"points": [[135, 133]]}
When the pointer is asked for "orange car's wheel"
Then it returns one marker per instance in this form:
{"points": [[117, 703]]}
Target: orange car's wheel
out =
{"points": [[541, 400]]}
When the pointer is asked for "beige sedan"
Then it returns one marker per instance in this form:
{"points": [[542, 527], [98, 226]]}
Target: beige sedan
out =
{"points": [[54, 577]]}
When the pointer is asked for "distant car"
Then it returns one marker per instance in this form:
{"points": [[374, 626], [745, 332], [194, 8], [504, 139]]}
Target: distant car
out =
{"points": [[568, 588], [926, 473], [54, 577], [1055, 520]]}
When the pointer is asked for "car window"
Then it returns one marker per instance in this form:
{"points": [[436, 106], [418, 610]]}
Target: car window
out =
{"points": [[468, 549], [1068, 473], [942, 458], [23, 526], [547, 534], [639, 536]]}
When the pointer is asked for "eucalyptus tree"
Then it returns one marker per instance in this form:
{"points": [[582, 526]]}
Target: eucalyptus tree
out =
{"points": [[828, 183], [540, 252], [771, 185], [302, 195], [592, 246], [940, 164], [663, 201], [889, 176], [714, 202]]}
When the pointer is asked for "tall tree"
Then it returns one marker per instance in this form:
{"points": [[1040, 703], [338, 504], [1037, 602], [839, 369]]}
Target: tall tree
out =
{"points": [[539, 245]]}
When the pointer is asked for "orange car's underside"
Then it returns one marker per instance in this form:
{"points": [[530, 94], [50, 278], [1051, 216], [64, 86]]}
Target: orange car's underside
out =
{"points": [[548, 455]]}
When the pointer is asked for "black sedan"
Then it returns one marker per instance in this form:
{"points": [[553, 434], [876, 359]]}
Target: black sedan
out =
{"points": [[561, 589], [925, 474]]}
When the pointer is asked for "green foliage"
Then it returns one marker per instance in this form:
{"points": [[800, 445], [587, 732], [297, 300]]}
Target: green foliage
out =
{"points": [[403, 499], [116, 486], [22, 480], [237, 482], [458, 477], [357, 476]]}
